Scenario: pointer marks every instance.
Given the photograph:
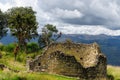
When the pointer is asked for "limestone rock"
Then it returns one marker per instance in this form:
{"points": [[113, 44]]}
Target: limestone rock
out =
{"points": [[70, 59]]}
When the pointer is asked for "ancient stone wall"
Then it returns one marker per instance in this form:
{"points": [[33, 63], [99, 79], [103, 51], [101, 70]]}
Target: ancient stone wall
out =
{"points": [[77, 60]]}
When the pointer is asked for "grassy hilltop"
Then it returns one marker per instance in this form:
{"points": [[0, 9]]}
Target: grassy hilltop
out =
{"points": [[22, 74], [16, 70]]}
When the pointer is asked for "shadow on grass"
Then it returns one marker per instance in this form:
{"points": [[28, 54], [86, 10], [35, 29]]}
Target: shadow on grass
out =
{"points": [[110, 77]]}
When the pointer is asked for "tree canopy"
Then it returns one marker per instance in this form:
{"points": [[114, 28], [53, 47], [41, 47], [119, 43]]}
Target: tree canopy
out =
{"points": [[3, 24], [22, 23], [49, 34]]}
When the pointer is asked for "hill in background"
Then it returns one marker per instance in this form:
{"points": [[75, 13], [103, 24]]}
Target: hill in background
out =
{"points": [[109, 45]]}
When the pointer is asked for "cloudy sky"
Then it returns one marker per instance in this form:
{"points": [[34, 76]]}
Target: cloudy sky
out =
{"points": [[92, 17]]}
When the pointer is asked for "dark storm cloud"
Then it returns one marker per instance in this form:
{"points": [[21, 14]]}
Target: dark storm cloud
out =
{"points": [[94, 12], [82, 12], [86, 20]]}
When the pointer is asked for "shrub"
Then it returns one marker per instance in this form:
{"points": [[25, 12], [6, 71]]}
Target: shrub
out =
{"points": [[0, 55], [21, 57], [9, 47], [32, 47], [1, 47], [110, 77], [18, 78]]}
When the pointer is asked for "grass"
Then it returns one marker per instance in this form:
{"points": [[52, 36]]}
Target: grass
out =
{"points": [[19, 65], [114, 71], [6, 75], [8, 60]]}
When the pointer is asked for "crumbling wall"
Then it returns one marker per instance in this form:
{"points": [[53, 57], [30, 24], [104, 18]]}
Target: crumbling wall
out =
{"points": [[77, 60]]}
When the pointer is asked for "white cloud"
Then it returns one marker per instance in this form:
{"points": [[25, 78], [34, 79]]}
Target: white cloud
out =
{"points": [[60, 13], [106, 9], [4, 7], [26, 3], [75, 11], [90, 30], [42, 17]]}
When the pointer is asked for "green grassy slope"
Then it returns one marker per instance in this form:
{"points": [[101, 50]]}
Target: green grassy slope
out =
{"points": [[9, 75], [22, 74], [8, 60]]}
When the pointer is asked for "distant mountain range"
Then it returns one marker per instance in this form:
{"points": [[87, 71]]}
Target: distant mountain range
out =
{"points": [[110, 45]]}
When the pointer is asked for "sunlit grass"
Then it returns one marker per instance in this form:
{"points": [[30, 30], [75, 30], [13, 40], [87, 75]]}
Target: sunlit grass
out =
{"points": [[114, 71], [9, 75]]}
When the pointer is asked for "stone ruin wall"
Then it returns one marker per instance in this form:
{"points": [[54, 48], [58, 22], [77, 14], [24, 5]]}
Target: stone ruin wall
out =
{"points": [[85, 61]]}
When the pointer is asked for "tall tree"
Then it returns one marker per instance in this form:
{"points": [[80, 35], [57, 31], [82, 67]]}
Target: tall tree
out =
{"points": [[49, 34], [23, 25], [3, 24]]}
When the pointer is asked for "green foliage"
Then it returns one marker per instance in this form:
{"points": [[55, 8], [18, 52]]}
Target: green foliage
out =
{"points": [[110, 77], [49, 35], [15, 78], [32, 47], [9, 48], [23, 75], [3, 24], [9, 75], [21, 57], [18, 78], [1, 47], [22, 24]]}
